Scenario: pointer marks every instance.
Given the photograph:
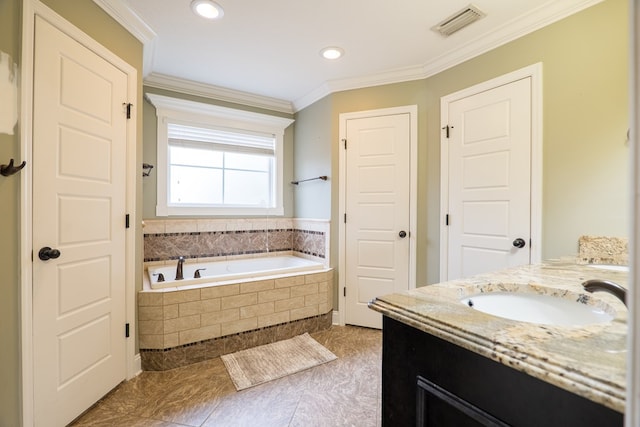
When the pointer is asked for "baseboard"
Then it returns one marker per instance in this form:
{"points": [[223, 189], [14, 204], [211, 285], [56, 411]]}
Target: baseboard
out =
{"points": [[335, 319], [137, 365]]}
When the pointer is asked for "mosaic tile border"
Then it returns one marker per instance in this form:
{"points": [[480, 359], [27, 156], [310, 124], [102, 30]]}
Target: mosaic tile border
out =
{"points": [[169, 239]]}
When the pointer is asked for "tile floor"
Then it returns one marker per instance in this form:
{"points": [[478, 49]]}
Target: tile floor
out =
{"points": [[344, 392]]}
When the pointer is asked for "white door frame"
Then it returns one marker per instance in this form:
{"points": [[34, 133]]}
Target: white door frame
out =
{"points": [[412, 110], [31, 8], [535, 72]]}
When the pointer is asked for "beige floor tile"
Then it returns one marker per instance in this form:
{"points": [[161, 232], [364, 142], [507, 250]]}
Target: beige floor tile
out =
{"points": [[104, 417], [344, 392], [341, 409]]}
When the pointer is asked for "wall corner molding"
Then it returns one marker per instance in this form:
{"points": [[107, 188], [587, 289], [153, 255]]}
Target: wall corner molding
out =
{"points": [[135, 25]]}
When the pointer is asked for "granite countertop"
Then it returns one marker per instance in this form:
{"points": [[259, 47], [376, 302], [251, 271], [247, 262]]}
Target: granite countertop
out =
{"points": [[589, 361]]}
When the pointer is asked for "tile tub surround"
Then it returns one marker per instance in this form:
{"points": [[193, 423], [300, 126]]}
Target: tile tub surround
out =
{"points": [[177, 357], [603, 250], [204, 238], [178, 326], [589, 361]]}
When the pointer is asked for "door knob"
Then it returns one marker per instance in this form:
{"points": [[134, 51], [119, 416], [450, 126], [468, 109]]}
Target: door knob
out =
{"points": [[519, 243], [402, 234], [47, 253]]}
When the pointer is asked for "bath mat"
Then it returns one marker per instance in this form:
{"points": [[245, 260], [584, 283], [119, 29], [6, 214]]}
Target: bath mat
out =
{"points": [[259, 365]]}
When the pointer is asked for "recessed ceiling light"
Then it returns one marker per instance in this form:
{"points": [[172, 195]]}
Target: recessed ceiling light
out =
{"points": [[207, 9], [331, 52]]}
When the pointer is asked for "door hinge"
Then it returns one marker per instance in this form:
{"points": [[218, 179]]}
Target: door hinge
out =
{"points": [[345, 143], [126, 221], [344, 291], [447, 130], [128, 106], [345, 218], [126, 330], [446, 219]]}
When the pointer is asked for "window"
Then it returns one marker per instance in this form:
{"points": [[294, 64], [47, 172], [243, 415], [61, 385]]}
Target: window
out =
{"points": [[217, 161], [220, 168]]}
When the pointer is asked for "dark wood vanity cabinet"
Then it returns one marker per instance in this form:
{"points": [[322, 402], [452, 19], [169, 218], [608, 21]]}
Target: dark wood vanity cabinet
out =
{"points": [[427, 381]]}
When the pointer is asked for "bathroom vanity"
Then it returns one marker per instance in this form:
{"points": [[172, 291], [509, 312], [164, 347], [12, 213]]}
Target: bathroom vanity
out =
{"points": [[446, 363]]}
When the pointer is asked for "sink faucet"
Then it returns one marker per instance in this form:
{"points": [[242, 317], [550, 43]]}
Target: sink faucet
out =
{"points": [[595, 285], [179, 275]]}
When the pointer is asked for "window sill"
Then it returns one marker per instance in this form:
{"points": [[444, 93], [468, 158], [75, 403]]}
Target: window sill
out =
{"points": [[163, 211]]}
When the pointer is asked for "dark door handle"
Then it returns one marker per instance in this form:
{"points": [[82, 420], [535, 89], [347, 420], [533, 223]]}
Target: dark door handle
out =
{"points": [[402, 234], [519, 243], [47, 253]]}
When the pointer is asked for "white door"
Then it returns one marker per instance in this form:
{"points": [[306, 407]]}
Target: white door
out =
{"points": [[79, 156], [377, 213], [489, 211]]}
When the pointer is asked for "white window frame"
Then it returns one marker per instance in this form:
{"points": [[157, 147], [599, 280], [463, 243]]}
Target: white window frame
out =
{"points": [[170, 110]]}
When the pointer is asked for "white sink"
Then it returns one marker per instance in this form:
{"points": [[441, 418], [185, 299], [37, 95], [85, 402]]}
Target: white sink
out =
{"points": [[624, 268], [536, 308]]}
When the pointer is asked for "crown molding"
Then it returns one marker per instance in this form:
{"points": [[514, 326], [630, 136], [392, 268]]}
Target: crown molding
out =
{"points": [[339, 85], [175, 84], [126, 17], [311, 97], [546, 14], [130, 20], [166, 105]]}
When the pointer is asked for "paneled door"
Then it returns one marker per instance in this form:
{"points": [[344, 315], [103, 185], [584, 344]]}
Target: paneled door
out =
{"points": [[79, 202], [489, 176], [377, 218]]}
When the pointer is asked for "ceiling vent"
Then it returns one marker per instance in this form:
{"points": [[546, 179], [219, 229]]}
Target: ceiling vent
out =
{"points": [[458, 20]]}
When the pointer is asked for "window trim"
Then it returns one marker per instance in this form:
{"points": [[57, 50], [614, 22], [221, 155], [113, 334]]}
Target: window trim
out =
{"points": [[199, 114]]}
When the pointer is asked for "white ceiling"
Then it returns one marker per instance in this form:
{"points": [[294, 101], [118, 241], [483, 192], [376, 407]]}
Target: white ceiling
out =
{"points": [[266, 53]]}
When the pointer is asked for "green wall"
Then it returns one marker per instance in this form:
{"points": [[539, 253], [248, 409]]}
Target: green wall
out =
{"points": [[585, 160], [585, 186], [10, 232], [96, 23], [314, 144]]}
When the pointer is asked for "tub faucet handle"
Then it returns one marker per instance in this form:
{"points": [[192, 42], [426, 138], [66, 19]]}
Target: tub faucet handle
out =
{"points": [[196, 274], [160, 277]]}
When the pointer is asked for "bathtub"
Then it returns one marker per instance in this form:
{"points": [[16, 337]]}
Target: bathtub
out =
{"points": [[236, 304], [230, 270]]}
